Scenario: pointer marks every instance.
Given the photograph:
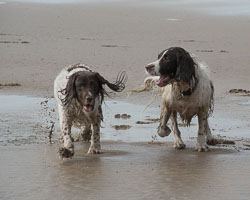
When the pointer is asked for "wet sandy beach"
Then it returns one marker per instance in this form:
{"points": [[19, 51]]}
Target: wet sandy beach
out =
{"points": [[38, 40], [124, 171]]}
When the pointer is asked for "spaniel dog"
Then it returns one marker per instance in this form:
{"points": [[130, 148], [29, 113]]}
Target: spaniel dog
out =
{"points": [[188, 91], [79, 92]]}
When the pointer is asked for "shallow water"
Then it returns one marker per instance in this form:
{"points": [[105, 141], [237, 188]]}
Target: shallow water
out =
{"points": [[63, 1], [27, 120], [20, 121], [212, 7], [245, 103]]}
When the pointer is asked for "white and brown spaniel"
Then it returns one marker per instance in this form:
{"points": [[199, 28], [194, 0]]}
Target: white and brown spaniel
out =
{"points": [[188, 91], [79, 92]]}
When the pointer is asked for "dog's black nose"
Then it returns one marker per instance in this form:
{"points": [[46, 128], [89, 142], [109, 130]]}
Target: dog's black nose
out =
{"points": [[89, 99], [150, 67]]}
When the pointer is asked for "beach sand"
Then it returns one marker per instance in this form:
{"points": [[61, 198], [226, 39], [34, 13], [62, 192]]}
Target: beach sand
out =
{"points": [[38, 40]]}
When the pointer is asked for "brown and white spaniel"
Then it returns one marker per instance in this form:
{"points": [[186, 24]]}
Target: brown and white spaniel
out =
{"points": [[79, 92], [188, 91]]}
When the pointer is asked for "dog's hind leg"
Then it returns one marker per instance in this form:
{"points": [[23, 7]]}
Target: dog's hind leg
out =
{"points": [[86, 133], [202, 134], [210, 139], [178, 144], [163, 129]]}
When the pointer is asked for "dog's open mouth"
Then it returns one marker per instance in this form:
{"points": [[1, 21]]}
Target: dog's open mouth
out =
{"points": [[88, 108], [163, 81]]}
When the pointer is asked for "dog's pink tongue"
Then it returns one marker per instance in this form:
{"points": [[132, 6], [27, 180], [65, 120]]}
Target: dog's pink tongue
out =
{"points": [[162, 81], [158, 82], [88, 108]]}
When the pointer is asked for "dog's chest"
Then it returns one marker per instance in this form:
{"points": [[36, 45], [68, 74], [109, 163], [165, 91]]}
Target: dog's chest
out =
{"points": [[186, 106], [78, 115], [183, 107]]}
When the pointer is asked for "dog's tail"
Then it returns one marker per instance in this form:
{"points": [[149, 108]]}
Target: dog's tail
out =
{"points": [[211, 106]]}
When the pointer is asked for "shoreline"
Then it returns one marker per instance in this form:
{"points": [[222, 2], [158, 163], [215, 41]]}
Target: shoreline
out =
{"points": [[35, 115]]}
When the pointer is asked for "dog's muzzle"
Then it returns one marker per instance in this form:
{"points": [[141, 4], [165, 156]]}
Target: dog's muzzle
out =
{"points": [[89, 103], [150, 68]]}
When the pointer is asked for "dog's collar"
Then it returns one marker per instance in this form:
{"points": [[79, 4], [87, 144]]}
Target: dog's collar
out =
{"points": [[188, 92], [192, 88]]}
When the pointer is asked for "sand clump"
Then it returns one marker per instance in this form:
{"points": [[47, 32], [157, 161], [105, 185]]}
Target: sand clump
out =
{"points": [[240, 91], [122, 116], [10, 84], [121, 127]]}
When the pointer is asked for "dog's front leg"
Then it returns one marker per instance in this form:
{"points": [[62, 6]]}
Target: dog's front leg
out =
{"points": [[163, 129], [178, 143], [67, 151], [202, 135], [95, 146]]}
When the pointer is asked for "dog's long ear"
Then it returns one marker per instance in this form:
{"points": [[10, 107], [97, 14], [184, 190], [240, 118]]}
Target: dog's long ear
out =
{"points": [[70, 91], [119, 84], [185, 67], [160, 54]]}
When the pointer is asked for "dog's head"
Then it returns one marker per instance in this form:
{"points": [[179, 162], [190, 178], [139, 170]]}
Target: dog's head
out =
{"points": [[86, 86], [173, 64]]}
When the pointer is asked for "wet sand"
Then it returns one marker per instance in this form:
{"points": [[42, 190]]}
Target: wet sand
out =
{"points": [[37, 40], [123, 171]]}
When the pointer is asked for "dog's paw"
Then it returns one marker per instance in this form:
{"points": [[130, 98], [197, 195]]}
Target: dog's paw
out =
{"points": [[76, 138], [163, 131], [66, 152], [86, 136], [179, 145], [94, 149], [202, 148]]}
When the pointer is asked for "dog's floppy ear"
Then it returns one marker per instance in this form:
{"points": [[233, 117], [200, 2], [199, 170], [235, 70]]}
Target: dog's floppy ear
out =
{"points": [[185, 67], [160, 54], [119, 84], [70, 90]]}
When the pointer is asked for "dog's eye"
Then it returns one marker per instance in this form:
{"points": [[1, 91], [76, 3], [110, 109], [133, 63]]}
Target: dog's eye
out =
{"points": [[81, 86], [165, 57]]}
